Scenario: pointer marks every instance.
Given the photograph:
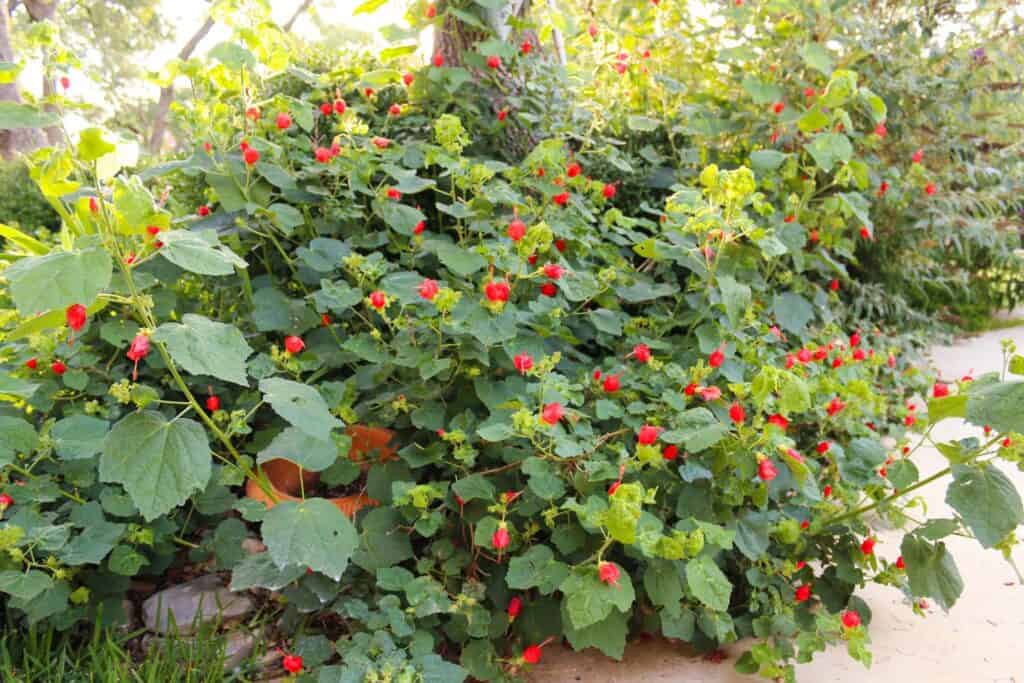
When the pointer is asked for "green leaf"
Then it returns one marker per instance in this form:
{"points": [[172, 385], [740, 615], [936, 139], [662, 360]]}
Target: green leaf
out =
{"points": [[233, 56], [588, 600], [204, 347], [301, 405], [92, 544], [259, 571], [813, 119], [987, 501], [829, 149], [931, 570], [761, 92], [381, 77], [642, 124], [792, 311], [25, 585], [474, 487], [26, 242], [79, 436], [199, 253], [14, 115], [395, 51], [902, 473], [662, 583], [765, 160], [735, 297], [126, 561], [708, 584], [401, 218], [16, 437], [9, 72], [536, 568], [57, 280], [608, 636], [462, 262], [860, 460], [92, 146], [159, 463], [816, 56], [308, 452], [1016, 365], [999, 405], [383, 542], [313, 533]]}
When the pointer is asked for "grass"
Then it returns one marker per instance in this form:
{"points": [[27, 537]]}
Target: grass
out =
{"points": [[41, 654]]}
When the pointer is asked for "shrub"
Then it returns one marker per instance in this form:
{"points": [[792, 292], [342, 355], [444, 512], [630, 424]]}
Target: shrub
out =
{"points": [[22, 205], [609, 417]]}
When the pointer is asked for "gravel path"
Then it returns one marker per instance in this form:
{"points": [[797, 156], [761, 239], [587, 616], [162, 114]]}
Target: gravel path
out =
{"points": [[979, 641]]}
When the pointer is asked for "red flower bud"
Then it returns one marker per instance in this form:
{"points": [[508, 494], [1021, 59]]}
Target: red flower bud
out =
{"points": [[292, 663], [428, 289], [522, 362], [611, 384], [494, 62], [642, 353], [608, 572], [552, 413], [515, 606], [803, 593], [378, 299], [737, 414], [516, 230], [58, 367], [212, 404], [851, 619], [293, 344], [497, 291], [549, 289], [284, 121], [500, 538], [766, 470], [670, 452], [76, 316], [531, 655], [868, 546], [647, 435]]}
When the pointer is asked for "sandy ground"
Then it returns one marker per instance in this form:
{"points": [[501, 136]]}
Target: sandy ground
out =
{"points": [[977, 641]]}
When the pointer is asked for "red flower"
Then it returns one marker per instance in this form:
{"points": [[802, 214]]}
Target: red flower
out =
{"points": [[899, 563], [670, 452], [789, 219], [883, 187], [420, 227], [531, 655], [322, 154], [494, 62], [940, 390], [439, 60], [837, 363], [766, 470], [153, 230], [340, 106], [821, 353], [827, 491], [394, 194], [592, 30], [573, 170], [891, 361], [909, 420], [58, 367], [716, 358], [431, 11], [561, 199], [380, 143], [834, 406], [859, 355], [597, 374], [803, 593], [293, 344], [503, 114], [552, 413], [868, 546], [803, 355], [325, 320], [526, 47], [253, 113], [918, 156], [808, 92], [553, 271], [496, 290], [326, 108], [515, 606], [395, 110], [5, 501], [865, 233], [138, 350], [76, 316], [378, 299], [611, 384], [823, 447], [428, 289], [880, 130], [251, 156], [690, 389], [642, 353], [516, 230], [737, 414], [560, 245], [284, 121], [711, 393], [408, 78], [522, 362], [790, 360], [500, 538], [65, 82], [608, 572], [929, 189], [213, 404], [779, 421], [608, 190], [549, 289], [647, 435], [778, 107], [32, 364], [292, 663], [834, 285], [851, 619], [203, 210]]}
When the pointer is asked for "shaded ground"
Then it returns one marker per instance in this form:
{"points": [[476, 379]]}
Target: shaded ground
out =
{"points": [[980, 640]]}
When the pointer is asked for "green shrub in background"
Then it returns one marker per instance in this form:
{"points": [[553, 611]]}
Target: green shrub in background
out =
{"points": [[22, 204]]}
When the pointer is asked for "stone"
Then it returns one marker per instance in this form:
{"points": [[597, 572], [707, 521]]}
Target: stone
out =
{"points": [[238, 648], [253, 546], [183, 607]]}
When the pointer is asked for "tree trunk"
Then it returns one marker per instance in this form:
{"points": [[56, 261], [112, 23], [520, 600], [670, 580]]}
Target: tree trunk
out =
{"points": [[298, 13], [18, 140], [156, 138]]}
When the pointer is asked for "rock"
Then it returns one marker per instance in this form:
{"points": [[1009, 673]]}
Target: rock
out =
{"points": [[252, 546], [186, 605], [240, 645]]}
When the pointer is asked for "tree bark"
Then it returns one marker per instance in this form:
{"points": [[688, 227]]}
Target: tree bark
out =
{"points": [[163, 105], [17, 140], [298, 13]]}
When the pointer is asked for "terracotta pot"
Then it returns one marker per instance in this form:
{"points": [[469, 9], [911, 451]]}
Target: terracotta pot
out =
{"points": [[369, 445]]}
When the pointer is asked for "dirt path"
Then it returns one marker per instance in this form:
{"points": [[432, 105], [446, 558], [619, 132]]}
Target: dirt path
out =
{"points": [[980, 640]]}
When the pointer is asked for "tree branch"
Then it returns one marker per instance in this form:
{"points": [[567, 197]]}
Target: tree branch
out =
{"points": [[298, 13]]}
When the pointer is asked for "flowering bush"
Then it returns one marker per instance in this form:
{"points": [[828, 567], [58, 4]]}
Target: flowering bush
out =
{"points": [[610, 416]]}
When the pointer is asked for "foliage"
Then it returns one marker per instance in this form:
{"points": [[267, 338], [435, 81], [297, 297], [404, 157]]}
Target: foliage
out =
{"points": [[627, 383], [22, 205]]}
